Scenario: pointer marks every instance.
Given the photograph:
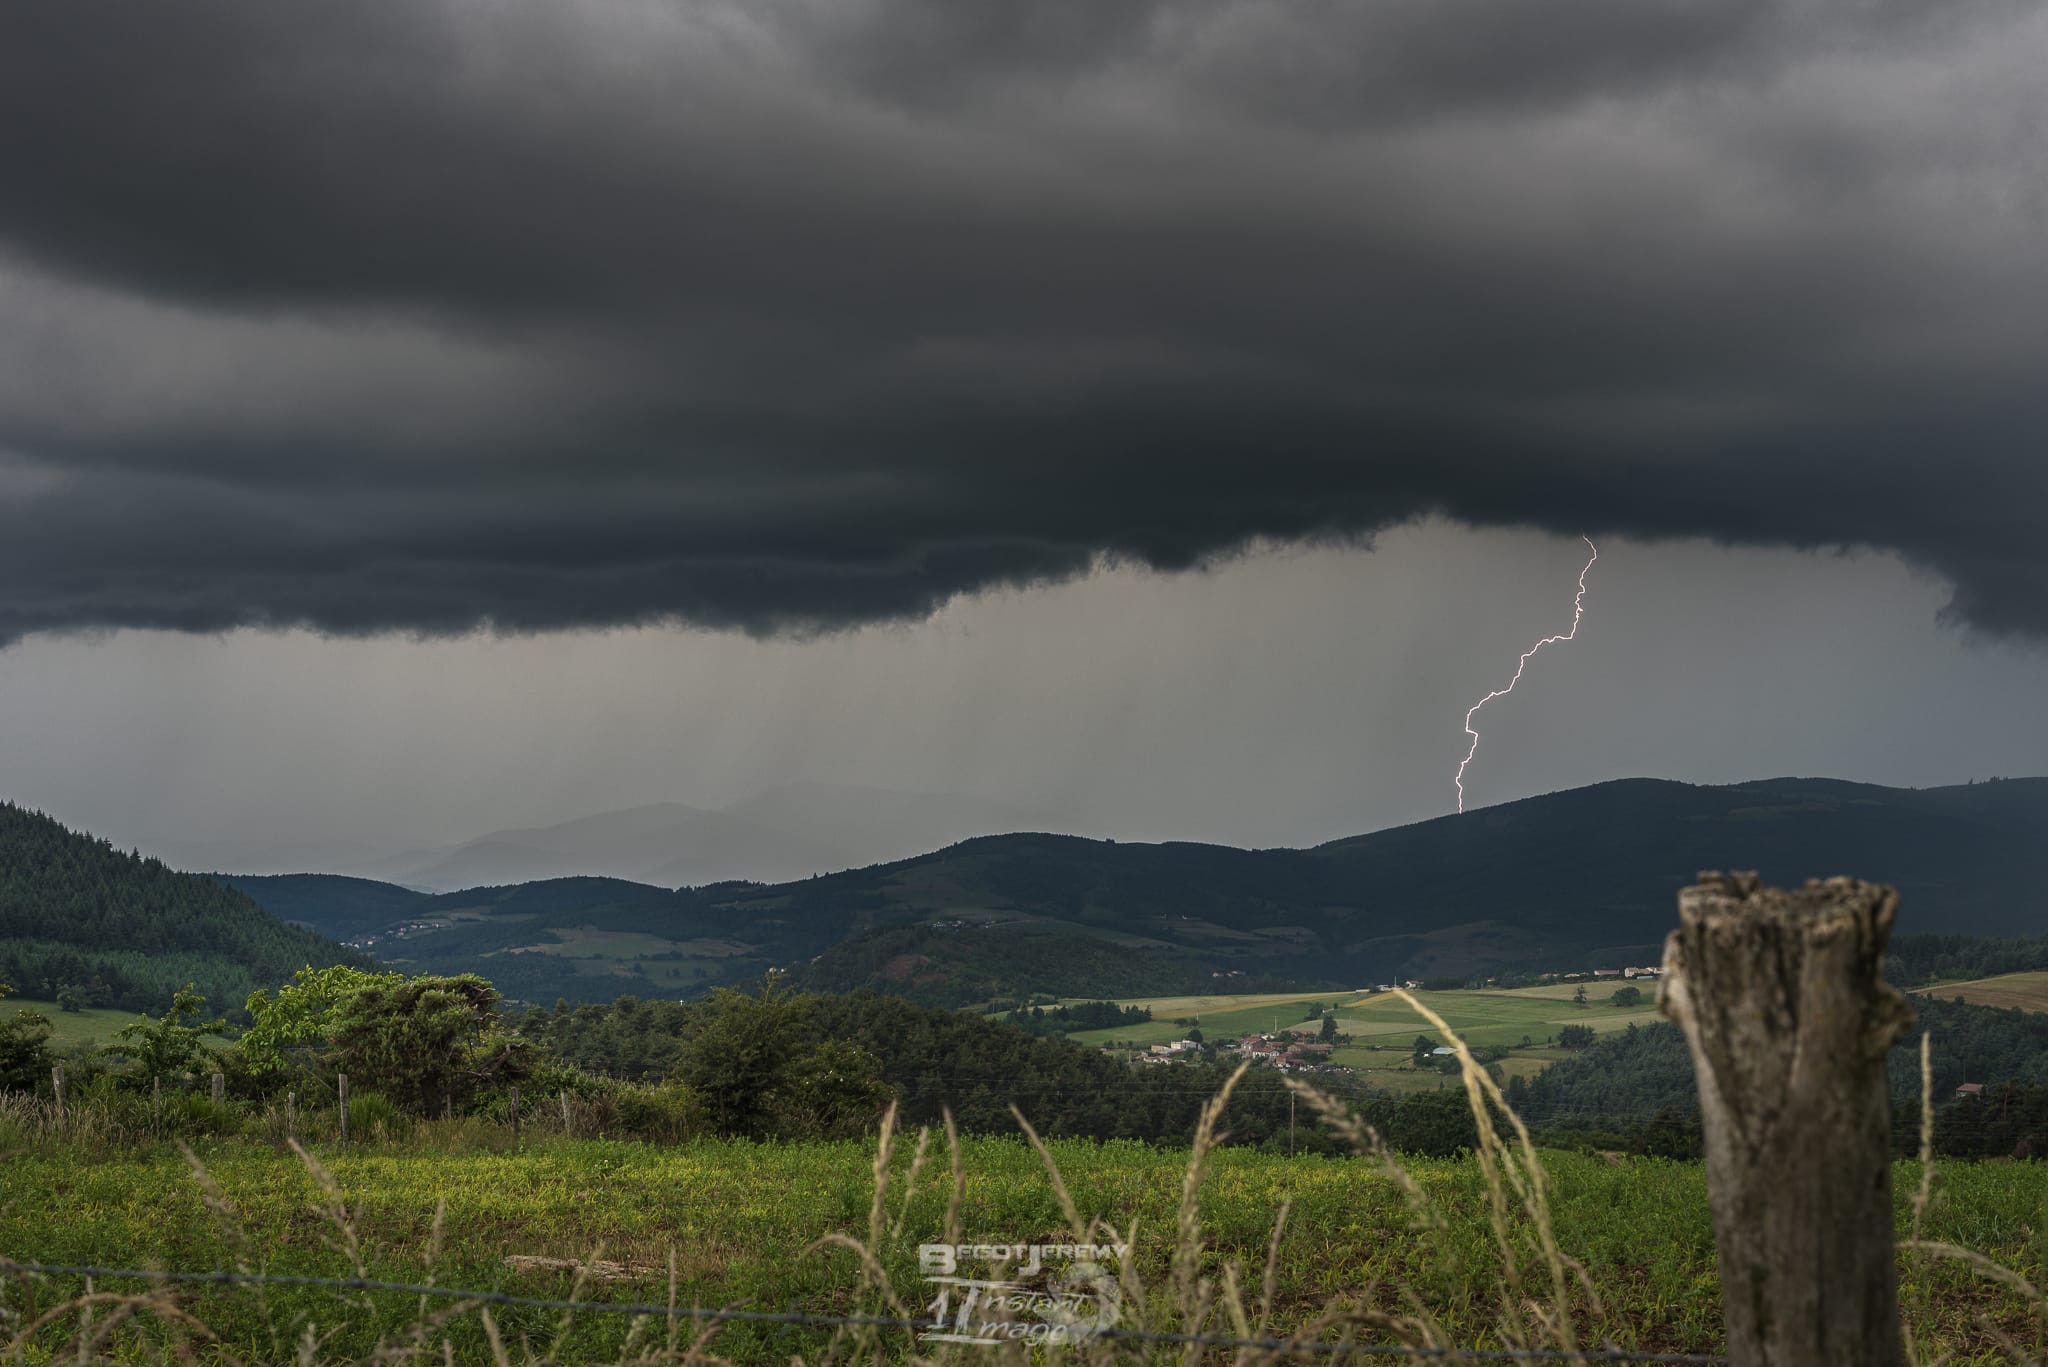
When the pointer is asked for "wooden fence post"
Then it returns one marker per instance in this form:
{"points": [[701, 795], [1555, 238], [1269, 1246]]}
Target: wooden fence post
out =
{"points": [[220, 1089], [291, 1115], [515, 1113], [57, 1087], [565, 1112], [156, 1102], [341, 1094], [1783, 1002]]}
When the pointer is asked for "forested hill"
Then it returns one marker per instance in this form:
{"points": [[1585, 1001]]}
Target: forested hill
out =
{"points": [[129, 931], [1583, 878], [330, 903]]}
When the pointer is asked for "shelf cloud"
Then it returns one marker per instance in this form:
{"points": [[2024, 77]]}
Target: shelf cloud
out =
{"points": [[424, 315]]}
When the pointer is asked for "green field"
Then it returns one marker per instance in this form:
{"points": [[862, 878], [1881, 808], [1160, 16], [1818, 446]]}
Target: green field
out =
{"points": [[67, 1028], [739, 1219], [2027, 991], [1489, 1018]]}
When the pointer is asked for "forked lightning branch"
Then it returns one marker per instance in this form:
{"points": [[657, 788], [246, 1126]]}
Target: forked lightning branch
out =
{"points": [[1578, 614]]}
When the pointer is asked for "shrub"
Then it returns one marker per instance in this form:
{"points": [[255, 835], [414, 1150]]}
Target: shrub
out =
{"points": [[667, 1113], [193, 1114], [372, 1117]]}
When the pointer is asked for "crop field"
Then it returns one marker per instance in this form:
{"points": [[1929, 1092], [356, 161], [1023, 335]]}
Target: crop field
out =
{"points": [[740, 1222], [2027, 991], [1391, 1067], [1488, 1018]]}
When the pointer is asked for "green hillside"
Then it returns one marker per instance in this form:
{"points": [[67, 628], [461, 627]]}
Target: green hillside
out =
{"points": [[1582, 878], [77, 913], [333, 905], [1575, 879]]}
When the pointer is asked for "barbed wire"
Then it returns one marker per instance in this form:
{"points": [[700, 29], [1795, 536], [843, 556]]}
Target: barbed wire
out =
{"points": [[806, 1318]]}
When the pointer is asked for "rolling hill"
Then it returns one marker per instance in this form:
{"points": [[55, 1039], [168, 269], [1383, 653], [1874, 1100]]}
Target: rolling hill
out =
{"points": [[1565, 879], [791, 831], [129, 931]]}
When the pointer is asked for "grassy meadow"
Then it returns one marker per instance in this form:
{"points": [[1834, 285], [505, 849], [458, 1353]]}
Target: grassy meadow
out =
{"points": [[93, 1026], [740, 1222], [1383, 1028], [2026, 991]]}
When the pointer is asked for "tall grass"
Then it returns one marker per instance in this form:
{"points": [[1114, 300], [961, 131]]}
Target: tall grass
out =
{"points": [[1530, 1294]]}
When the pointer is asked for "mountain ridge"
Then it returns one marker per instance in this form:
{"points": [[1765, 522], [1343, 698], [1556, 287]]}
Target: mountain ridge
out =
{"points": [[792, 830], [1549, 880]]}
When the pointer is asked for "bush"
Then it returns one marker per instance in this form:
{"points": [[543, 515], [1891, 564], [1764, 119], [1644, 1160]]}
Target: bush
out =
{"points": [[24, 1051], [371, 1116], [665, 1114], [193, 1114]]}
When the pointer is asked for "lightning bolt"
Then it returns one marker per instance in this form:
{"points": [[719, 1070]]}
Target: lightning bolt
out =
{"points": [[1578, 612]]}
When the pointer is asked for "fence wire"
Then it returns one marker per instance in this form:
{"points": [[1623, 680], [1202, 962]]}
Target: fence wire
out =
{"points": [[801, 1317]]}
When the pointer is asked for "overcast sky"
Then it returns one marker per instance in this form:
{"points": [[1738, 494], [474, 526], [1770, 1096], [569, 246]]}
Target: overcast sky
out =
{"points": [[418, 416]]}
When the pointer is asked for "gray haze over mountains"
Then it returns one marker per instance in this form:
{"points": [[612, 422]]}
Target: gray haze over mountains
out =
{"points": [[788, 832], [421, 418]]}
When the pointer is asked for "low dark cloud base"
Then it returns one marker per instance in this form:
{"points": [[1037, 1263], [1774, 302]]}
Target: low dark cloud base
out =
{"points": [[783, 317]]}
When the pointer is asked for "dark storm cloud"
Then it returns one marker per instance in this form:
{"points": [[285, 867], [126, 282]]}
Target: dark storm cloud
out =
{"points": [[414, 316]]}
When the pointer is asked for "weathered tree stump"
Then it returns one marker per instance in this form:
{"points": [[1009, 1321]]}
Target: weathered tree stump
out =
{"points": [[1782, 999]]}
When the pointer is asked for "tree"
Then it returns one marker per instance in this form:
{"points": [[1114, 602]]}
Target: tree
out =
{"points": [[1195, 1034], [72, 997], [762, 1071], [167, 1047], [1424, 1047], [1627, 996], [1575, 1037], [1328, 1034], [24, 1059], [425, 1042], [1579, 995], [830, 1090], [296, 1023], [1437, 1123]]}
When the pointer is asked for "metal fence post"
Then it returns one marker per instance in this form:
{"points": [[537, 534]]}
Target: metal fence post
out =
{"points": [[1784, 1006]]}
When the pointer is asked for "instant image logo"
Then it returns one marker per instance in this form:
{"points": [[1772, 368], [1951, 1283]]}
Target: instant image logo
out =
{"points": [[1039, 1293]]}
